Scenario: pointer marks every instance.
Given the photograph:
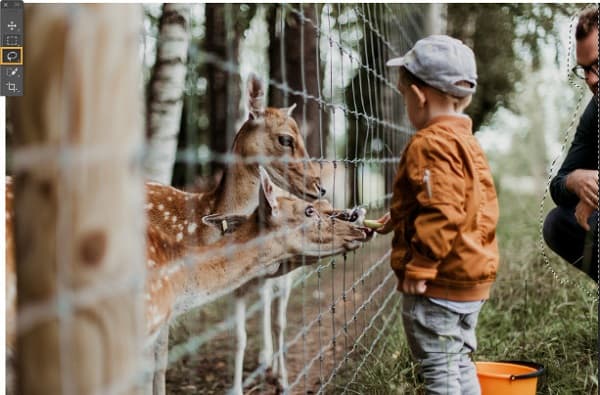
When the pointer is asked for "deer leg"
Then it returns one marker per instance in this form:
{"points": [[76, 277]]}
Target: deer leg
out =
{"points": [[266, 354], [286, 289], [240, 318], [161, 353]]}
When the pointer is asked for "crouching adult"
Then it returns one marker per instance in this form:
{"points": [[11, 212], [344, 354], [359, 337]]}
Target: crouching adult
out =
{"points": [[571, 229]]}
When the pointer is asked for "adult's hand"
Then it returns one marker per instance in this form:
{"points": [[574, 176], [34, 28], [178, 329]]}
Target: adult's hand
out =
{"points": [[582, 214], [584, 183]]}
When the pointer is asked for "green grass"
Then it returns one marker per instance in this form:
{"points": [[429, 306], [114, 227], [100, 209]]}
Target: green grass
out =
{"points": [[532, 314]]}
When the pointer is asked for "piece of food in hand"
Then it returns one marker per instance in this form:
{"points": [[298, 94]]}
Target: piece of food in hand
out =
{"points": [[371, 223]]}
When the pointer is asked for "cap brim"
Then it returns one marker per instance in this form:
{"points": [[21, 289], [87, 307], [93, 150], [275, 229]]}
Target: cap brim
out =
{"points": [[395, 62]]}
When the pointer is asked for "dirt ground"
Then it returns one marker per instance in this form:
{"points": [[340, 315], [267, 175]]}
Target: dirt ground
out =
{"points": [[209, 369]]}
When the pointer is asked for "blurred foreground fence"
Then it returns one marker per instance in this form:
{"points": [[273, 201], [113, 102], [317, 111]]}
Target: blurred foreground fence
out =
{"points": [[327, 59]]}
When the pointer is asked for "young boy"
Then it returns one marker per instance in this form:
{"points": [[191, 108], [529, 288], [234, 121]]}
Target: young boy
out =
{"points": [[444, 212]]}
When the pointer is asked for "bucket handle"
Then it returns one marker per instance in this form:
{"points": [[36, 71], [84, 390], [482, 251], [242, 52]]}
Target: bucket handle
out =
{"points": [[539, 370]]}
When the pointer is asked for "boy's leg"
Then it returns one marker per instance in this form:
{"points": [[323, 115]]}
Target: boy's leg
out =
{"points": [[468, 372], [435, 341]]}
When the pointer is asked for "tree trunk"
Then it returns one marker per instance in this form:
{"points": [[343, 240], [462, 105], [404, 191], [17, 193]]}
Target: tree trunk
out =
{"points": [[363, 98], [222, 40], [294, 60], [78, 201], [165, 94]]}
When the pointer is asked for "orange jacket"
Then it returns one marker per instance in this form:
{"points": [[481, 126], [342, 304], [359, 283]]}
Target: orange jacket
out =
{"points": [[444, 211]]}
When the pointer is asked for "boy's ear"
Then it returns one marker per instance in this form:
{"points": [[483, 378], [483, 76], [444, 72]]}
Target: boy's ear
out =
{"points": [[464, 103], [420, 94]]}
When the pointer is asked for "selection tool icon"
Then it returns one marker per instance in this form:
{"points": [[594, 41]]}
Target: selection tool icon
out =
{"points": [[11, 55]]}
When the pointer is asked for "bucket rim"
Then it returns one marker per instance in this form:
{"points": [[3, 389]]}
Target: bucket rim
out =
{"points": [[539, 370]]}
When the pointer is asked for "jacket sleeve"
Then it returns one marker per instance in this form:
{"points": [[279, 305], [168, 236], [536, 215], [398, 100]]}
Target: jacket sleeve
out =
{"points": [[442, 211], [582, 155]]}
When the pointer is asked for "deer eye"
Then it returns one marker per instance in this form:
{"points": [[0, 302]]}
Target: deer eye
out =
{"points": [[310, 211], [286, 141]]}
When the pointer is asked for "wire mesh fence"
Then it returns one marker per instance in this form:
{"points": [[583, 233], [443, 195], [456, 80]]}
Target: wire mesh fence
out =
{"points": [[338, 136], [339, 307]]}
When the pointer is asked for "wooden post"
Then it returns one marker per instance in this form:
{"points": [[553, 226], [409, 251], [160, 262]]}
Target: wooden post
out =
{"points": [[79, 227]]}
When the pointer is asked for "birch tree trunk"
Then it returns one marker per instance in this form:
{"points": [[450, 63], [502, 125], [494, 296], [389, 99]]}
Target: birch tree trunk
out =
{"points": [[78, 201], [165, 94]]}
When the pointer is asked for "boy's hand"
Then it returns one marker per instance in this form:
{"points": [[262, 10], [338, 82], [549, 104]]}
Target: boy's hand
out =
{"points": [[387, 224], [413, 287]]}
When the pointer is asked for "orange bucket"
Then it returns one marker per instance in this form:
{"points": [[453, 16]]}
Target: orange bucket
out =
{"points": [[508, 377]]}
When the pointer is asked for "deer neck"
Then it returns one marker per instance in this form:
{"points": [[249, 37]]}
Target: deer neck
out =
{"points": [[178, 213], [238, 191], [212, 279], [187, 277]]}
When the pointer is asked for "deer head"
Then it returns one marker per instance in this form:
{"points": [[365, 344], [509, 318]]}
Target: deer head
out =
{"points": [[301, 228], [273, 133]]}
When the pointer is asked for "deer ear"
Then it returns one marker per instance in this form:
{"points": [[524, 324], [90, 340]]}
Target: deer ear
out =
{"points": [[256, 97], [267, 201], [224, 222], [288, 110]]}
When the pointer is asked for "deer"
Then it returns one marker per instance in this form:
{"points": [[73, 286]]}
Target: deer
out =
{"points": [[182, 277], [270, 133]]}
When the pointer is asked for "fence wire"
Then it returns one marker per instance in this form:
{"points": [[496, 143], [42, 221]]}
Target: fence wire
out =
{"points": [[337, 303]]}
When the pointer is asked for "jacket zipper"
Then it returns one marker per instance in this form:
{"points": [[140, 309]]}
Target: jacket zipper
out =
{"points": [[427, 181]]}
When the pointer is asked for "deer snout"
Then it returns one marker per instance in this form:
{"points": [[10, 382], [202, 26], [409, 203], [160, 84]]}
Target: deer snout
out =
{"points": [[358, 233], [368, 232], [358, 215], [316, 183], [321, 191]]}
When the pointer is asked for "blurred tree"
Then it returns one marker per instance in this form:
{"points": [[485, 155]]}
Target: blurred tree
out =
{"points": [[294, 60], [211, 108], [225, 24], [493, 31], [521, 146], [165, 92], [194, 127]]}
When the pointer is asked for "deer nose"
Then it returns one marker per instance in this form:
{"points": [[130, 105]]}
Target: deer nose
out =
{"points": [[322, 191], [367, 232]]}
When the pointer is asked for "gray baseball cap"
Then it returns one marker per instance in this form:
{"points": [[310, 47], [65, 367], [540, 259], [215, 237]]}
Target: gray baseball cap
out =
{"points": [[441, 62]]}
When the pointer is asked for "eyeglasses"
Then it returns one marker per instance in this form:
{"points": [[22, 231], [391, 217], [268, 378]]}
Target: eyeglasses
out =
{"points": [[580, 71]]}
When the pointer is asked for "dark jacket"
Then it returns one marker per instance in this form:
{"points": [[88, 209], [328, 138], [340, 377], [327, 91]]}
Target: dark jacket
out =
{"points": [[583, 154]]}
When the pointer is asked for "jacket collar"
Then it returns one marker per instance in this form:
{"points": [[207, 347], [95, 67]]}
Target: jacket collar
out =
{"points": [[460, 122]]}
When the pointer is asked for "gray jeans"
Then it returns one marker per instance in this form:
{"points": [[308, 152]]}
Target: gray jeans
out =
{"points": [[441, 340]]}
